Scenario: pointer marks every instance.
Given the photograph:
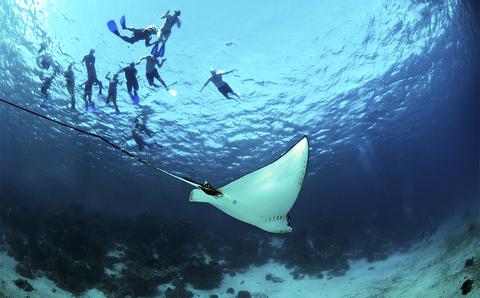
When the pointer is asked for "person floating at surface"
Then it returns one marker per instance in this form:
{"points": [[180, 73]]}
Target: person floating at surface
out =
{"points": [[87, 94], [222, 86], [45, 61], [70, 80], [137, 34], [112, 90], [138, 128], [89, 61], [46, 84], [151, 71], [132, 82]]}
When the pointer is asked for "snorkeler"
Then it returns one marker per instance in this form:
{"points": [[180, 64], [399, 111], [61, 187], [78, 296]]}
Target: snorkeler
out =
{"points": [[222, 86], [132, 82], [70, 80], [138, 128], [87, 94], [137, 34], [170, 21], [44, 61], [151, 71], [112, 90], [46, 84], [89, 61]]}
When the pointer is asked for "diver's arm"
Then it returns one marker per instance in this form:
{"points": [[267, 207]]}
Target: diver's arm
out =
{"points": [[148, 41], [107, 76], [165, 14], [229, 72], [141, 59], [179, 23], [206, 83], [160, 64]]}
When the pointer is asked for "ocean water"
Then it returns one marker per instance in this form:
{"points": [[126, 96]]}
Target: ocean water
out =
{"points": [[386, 91]]}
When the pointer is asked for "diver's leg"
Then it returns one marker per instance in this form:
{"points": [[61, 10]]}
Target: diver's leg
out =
{"points": [[166, 35], [85, 99], [130, 40], [157, 76], [114, 100], [150, 78], [231, 97], [135, 87], [238, 96], [100, 85], [129, 88], [71, 91]]}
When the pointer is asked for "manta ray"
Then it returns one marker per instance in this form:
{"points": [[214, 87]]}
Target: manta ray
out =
{"points": [[261, 198]]}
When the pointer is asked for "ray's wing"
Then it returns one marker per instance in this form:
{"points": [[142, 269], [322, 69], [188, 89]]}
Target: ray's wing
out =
{"points": [[264, 197]]}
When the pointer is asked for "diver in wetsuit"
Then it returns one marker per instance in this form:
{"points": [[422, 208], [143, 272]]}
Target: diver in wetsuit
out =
{"points": [[46, 84], [89, 61], [87, 94], [112, 90], [138, 128], [131, 78], [139, 34], [222, 86], [70, 80], [151, 71]]}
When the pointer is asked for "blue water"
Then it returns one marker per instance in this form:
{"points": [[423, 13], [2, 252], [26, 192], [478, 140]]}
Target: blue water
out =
{"points": [[386, 91]]}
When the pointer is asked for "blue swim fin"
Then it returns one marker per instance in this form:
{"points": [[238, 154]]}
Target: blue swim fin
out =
{"points": [[136, 99], [158, 52], [123, 22], [161, 52], [154, 50], [112, 26]]}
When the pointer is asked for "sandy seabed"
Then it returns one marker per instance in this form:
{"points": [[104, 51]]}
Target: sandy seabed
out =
{"points": [[434, 267]]}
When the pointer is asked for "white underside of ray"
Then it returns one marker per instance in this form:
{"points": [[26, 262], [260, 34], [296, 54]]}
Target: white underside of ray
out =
{"points": [[264, 197]]}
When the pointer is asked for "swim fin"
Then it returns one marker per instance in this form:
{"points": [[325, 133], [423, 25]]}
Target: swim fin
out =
{"points": [[154, 50], [136, 99], [172, 92], [161, 52], [112, 26], [123, 22], [45, 104]]}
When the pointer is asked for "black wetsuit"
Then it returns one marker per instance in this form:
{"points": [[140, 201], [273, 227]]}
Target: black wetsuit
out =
{"points": [[70, 79], [91, 71], [138, 34], [87, 95], [46, 83], [131, 78], [112, 93]]}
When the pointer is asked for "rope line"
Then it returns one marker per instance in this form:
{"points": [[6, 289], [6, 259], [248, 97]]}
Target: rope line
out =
{"points": [[207, 190]]}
